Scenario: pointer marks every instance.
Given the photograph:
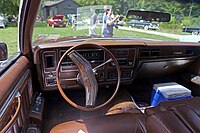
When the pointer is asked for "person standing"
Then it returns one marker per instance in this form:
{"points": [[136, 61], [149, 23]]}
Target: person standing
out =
{"points": [[109, 23], [74, 22], [92, 27], [104, 15]]}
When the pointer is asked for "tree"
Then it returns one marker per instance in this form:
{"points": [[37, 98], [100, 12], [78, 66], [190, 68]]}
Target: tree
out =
{"points": [[9, 7], [174, 7]]}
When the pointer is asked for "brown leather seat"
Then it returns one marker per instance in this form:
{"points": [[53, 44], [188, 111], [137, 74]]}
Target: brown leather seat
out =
{"points": [[117, 123], [176, 119], [165, 122], [188, 116], [173, 116], [163, 106]]}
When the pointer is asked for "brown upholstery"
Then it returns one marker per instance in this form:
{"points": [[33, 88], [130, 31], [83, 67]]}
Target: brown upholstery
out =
{"points": [[175, 116], [172, 116], [70, 127], [163, 106], [118, 123], [165, 122], [188, 116], [179, 118]]}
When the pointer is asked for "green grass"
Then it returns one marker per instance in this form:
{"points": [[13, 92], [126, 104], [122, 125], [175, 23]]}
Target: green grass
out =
{"points": [[173, 31], [9, 34]]}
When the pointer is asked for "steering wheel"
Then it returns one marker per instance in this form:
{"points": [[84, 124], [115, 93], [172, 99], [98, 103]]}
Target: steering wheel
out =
{"points": [[86, 76]]}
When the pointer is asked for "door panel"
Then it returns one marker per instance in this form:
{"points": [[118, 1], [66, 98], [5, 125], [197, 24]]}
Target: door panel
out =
{"points": [[16, 84]]}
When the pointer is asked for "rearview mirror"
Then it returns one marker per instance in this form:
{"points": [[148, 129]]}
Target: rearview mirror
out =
{"points": [[3, 52], [148, 15]]}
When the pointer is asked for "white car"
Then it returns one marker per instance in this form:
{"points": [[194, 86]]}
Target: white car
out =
{"points": [[3, 22]]}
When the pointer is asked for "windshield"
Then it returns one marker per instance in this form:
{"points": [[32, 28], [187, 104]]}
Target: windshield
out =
{"points": [[108, 19]]}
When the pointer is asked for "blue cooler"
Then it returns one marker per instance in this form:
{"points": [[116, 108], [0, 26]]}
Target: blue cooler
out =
{"points": [[168, 91]]}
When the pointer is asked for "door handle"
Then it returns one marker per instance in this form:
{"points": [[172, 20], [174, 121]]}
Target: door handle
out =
{"points": [[18, 96]]}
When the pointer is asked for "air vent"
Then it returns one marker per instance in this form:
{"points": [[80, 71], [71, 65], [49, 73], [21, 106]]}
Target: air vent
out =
{"points": [[49, 61], [122, 52], [149, 53], [189, 52], [155, 52], [145, 53]]}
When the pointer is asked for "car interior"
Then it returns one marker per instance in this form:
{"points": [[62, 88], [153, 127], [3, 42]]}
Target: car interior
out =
{"points": [[96, 85]]}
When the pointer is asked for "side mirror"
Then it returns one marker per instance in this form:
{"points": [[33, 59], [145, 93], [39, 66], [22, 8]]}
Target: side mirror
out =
{"points": [[3, 52]]}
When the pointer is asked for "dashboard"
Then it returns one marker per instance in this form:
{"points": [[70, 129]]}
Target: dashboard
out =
{"points": [[135, 61]]}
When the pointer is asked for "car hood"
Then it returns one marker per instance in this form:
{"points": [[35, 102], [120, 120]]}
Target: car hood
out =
{"points": [[58, 17], [1, 18]]}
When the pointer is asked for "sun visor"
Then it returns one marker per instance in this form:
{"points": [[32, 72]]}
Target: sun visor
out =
{"points": [[148, 15]]}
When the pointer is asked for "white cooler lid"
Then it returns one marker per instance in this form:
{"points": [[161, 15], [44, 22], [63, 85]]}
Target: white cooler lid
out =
{"points": [[172, 90]]}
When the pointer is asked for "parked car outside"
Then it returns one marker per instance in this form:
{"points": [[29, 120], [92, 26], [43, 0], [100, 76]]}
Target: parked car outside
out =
{"points": [[86, 21], [195, 30], [3, 22], [143, 24], [81, 23], [121, 23], [56, 21]]}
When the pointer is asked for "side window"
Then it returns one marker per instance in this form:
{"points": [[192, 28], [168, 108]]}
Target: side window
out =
{"points": [[9, 10]]}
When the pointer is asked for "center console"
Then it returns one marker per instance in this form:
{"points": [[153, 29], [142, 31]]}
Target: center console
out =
{"points": [[126, 61]]}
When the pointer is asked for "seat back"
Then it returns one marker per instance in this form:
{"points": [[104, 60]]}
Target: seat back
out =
{"points": [[173, 116], [117, 123]]}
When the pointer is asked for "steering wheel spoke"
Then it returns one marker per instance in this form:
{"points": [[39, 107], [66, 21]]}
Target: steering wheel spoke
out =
{"points": [[70, 79], [102, 64]]}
